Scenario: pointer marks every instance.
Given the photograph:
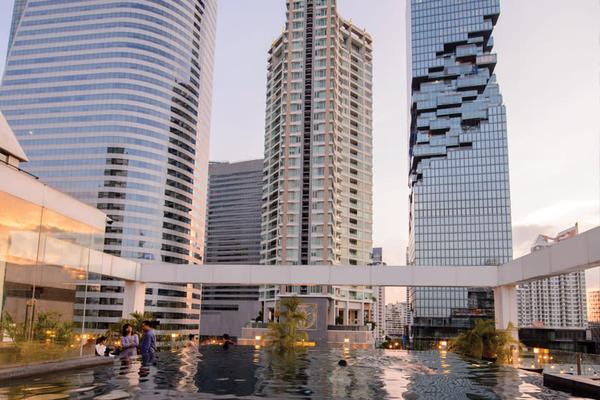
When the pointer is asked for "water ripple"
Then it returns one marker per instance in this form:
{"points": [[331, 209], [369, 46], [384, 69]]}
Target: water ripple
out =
{"points": [[248, 373]]}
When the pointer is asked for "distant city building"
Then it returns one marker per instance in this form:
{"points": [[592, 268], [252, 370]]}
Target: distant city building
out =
{"points": [[379, 294], [112, 102], [593, 310], [396, 319], [458, 159], [556, 302], [317, 186], [232, 237]]}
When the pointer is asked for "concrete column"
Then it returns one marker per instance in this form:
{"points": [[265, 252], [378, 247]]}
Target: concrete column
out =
{"points": [[332, 312], [134, 296], [361, 314], [505, 307], [346, 314]]}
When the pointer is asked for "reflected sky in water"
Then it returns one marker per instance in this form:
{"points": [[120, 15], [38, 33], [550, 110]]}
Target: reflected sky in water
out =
{"points": [[247, 373]]}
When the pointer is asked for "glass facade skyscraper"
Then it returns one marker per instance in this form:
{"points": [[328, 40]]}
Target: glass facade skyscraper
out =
{"points": [[458, 178], [111, 102], [232, 237]]}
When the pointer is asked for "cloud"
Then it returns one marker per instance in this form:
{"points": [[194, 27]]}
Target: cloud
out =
{"points": [[552, 219], [525, 235], [565, 213]]}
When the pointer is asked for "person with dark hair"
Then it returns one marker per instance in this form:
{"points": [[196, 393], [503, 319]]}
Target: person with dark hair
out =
{"points": [[148, 346], [129, 341], [101, 349], [227, 342], [192, 340]]}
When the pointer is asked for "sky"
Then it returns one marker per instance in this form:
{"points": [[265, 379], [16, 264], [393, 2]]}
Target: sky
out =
{"points": [[549, 74]]}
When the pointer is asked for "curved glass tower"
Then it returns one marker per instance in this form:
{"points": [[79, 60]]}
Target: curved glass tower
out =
{"points": [[111, 102]]}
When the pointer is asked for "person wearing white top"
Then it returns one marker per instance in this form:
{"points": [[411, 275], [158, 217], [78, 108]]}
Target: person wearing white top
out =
{"points": [[101, 349]]}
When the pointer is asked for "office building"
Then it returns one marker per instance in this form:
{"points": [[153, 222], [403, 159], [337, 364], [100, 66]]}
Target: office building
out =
{"points": [[232, 237], [396, 319], [593, 313], [379, 296], [317, 185], [593, 307], [111, 102], [458, 158], [556, 302]]}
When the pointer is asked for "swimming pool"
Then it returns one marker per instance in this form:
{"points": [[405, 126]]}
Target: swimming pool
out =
{"points": [[245, 372]]}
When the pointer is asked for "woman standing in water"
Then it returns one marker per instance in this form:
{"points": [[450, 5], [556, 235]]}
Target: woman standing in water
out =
{"points": [[129, 341]]}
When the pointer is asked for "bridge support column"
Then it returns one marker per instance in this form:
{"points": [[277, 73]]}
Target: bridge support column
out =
{"points": [[134, 297], [505, 308], [346, 320]]}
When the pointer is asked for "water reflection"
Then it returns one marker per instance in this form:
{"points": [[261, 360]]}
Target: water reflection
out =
{"points": [[248, 372]]}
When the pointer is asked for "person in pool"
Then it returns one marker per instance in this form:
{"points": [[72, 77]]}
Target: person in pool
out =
{"points": [[227, 342], [148, 346], [192, 340], [101, 349], [129, 341]]}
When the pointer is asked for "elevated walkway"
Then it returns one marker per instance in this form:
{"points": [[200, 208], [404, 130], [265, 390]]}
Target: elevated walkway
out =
{"points": [[574, 254]]}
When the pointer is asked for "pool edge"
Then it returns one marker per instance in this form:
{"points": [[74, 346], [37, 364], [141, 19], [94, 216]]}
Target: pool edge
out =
{"points": [[44, 368]]}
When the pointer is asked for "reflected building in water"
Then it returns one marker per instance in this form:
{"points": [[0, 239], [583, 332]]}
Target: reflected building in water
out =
{"points": [[112, 103]]}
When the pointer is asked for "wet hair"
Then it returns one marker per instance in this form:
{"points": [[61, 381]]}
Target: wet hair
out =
{"points": [[124, 329], [101, 339]]}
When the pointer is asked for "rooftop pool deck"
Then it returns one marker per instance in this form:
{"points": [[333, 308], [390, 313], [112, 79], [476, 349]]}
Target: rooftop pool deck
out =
{"points": [[245, 372]]}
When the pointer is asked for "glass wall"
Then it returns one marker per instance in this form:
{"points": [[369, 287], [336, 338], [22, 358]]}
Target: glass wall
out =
{"points": [[44, 263]]}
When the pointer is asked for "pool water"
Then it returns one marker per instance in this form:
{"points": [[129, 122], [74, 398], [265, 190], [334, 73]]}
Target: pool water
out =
{"points": [[248, 373]]}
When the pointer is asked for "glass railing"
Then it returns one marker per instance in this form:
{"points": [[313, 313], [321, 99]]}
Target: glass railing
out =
{"points": [[45, 259]]}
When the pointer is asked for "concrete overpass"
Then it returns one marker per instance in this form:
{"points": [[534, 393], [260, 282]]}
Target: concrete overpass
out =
{"points": [[574, 254]]}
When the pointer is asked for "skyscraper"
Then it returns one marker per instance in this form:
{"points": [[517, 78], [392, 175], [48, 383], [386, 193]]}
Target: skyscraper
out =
{"points": [[556, 302], [111, 101], [458, 161], [232, 237], [379, 308], [396, 318], [317, 187]]}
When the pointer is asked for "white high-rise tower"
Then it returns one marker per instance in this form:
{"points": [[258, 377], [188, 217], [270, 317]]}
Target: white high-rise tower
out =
{"points": [[317, 187]]}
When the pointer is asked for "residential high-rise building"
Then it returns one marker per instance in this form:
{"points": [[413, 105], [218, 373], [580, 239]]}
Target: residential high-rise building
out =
{"points": [[379, 295], [458, 160], [556, 302], [396, 319], [232, 237], [317, 186], [111, 101], [593, 307]]}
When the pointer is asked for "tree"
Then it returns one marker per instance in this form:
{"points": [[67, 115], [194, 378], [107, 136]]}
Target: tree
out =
{"points": [[14, 330], [285, 334], [485, 341], [46, 326]]}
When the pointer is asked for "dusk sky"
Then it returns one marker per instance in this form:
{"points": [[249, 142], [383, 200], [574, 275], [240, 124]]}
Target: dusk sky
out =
{"points": [[549, 74]]}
